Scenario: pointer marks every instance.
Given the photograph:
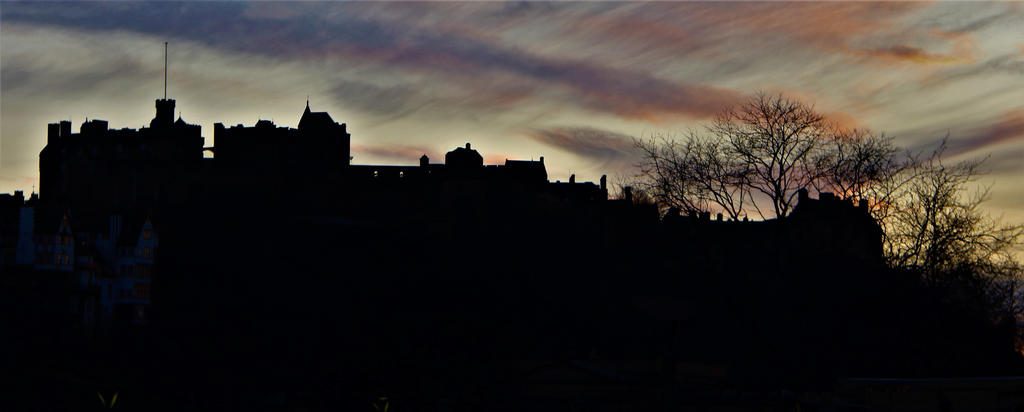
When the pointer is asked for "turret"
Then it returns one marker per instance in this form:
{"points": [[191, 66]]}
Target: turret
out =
{"points": [[463, 158], [164, 113]]}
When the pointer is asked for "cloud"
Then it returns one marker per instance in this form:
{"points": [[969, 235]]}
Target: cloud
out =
{"points": [[374, 98], [844, 120], [406, 154], [962, 50], [599, 145], [425, 70], [1010, 127], [466, 60], [1007, 162], [908, 53]]}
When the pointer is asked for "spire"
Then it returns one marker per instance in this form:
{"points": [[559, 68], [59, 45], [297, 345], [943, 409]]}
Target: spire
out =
{"points": [[307, 104]]}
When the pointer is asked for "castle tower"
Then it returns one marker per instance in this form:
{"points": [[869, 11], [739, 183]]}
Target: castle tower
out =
{"points": [[164, 114]]}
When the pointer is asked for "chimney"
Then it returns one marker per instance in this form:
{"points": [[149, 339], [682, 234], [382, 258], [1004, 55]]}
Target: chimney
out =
{"points": [[801, 196], [424, 160], [52, 133], [719, 217], [572, 178], [604, 182], [65, 128], [627, 192], [542, 160], [467, 146], [19, 196]]}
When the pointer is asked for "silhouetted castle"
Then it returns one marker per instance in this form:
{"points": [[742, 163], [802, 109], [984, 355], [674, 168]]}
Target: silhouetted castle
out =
{"points": [[163, 165], [103, 192], [278, 254], [119, 169]]}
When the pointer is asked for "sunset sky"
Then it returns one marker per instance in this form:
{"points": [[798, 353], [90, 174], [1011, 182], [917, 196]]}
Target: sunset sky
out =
{"points": [[572, 82]]}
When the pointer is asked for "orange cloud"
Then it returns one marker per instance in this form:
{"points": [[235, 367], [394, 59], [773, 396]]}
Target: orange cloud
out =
{"points": [[962, 47], [844, 120]]}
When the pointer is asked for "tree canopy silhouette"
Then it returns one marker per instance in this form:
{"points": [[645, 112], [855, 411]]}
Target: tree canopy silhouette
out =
{"points": [[758, 155]]}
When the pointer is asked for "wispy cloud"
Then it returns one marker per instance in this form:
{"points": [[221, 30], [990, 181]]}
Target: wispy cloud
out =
{"points": [[961, 50], [427, 71], [404, 154], [459, 59], [1009, 127], [599, 145]]}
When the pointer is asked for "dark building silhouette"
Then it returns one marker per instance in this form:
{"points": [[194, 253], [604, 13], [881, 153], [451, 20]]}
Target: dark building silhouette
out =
{"points": [[319, 142], [277, 274], [120, 169]]}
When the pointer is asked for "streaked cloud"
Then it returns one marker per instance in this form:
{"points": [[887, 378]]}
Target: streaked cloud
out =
{"points": [[422, 77], [599, 145], [1008, 128], [401, 154], [462, 58]]}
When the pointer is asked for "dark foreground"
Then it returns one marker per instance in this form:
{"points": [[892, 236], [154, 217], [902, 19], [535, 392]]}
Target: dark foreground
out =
{"points": [[603, 306]]}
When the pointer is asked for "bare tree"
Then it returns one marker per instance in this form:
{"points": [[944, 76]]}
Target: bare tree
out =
{"points": [[854, 163], [633, 189], [696, 174], [776, 139], [762, 152], [934, 226], [766, 150]]}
